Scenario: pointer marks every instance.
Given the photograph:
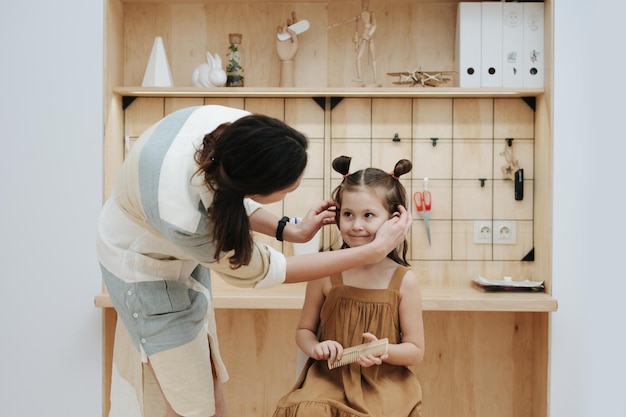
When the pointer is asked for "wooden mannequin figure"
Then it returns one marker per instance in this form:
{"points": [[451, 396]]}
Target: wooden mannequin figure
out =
{"points": [[363, 42], [287, 51], [366, 43]]}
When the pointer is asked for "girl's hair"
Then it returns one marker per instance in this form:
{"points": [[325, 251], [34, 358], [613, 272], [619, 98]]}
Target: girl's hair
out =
{"points": [[384, 184], [256, 154]]}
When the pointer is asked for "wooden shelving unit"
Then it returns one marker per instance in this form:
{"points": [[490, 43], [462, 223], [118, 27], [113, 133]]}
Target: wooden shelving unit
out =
{"points": [[475, 342]]}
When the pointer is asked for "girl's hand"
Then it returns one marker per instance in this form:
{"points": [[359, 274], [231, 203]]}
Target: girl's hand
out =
{"points": [[309, 225], [328, 349], [370, 360]]}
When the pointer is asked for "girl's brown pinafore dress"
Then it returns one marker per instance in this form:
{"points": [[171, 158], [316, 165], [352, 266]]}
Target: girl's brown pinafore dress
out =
{"points": [[352, 391]]}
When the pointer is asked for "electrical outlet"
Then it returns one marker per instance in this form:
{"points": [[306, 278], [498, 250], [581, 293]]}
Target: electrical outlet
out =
{"points": [[483, 232], [504, 232]]}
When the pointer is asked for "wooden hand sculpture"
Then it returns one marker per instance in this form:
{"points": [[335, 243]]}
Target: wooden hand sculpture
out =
{"points": [[287, 51]]}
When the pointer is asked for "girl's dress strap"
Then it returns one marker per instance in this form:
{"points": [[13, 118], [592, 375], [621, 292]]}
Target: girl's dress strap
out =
{"points": [[398, 275], [336, 279]]}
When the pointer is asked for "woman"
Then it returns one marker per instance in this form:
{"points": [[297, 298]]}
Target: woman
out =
{"points": [[186, 200]]}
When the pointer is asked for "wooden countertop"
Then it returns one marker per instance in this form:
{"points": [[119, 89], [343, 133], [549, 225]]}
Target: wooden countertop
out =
{"points": [[291, 296]]}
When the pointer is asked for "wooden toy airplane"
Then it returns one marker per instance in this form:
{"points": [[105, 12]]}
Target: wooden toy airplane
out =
{"points": [[423, 78]]}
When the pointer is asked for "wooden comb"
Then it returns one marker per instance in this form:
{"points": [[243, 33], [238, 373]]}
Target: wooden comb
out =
{"points": [[351, 354]]}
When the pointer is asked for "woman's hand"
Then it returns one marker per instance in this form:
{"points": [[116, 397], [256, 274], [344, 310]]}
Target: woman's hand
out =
{"points": [[393, 232], [309, 225], [262, 221]]}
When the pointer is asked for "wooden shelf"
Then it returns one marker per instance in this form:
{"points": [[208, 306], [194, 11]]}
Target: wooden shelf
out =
{"points": [[291, 296], [415, 91], [217, 1]]}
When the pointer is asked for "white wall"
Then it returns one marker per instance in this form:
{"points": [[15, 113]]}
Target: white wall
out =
{"points": [[589, 329], [50, 196]]}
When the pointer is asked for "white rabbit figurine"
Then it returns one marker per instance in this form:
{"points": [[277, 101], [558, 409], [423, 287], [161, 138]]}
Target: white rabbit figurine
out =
{"points": [[211, 73]]}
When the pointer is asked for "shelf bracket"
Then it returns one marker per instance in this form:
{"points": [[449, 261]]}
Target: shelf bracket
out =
{"points": [[334, 101], [530, 101], [530, 256], [321, 101], [127, 101]]}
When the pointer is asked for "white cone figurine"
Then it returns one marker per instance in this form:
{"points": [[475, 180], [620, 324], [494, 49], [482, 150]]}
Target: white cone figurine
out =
{"points": [[158, 72], [209, 74]]}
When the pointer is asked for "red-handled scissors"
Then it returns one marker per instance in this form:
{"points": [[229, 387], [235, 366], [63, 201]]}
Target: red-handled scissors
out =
{"points": [[423, 200]]}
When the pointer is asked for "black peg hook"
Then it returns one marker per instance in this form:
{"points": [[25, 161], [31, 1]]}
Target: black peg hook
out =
{"points": [[396, 138], [482, 181], [434, 141], [509, 141]]}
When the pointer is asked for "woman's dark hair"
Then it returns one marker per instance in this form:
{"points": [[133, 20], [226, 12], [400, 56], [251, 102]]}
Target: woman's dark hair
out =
{"points": [[256, 154], [387, 186]]}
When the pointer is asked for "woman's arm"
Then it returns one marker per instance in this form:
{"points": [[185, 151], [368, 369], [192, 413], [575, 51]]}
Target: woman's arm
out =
{"points": [[263, 221], [262, 274]]}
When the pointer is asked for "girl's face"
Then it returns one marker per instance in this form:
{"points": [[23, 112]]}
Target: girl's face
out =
{"points": [[276, 195], [361, 215]]}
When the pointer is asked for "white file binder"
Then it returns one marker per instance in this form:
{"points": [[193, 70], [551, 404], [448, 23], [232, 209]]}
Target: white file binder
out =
{"points": [[491, 41], [467, 47], [512, 45], [534, 54]]}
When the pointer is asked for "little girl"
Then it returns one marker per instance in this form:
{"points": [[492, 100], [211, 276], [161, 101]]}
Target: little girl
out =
{"points": [[360, 305]]}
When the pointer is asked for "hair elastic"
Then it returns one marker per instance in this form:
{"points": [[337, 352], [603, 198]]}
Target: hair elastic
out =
{"points": [[394, 176], [347, 174]]}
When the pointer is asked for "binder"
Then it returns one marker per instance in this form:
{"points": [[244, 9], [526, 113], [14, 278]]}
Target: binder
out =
{"points": [[534, 54], [491, 44], [512, 45], [468, 44]]}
